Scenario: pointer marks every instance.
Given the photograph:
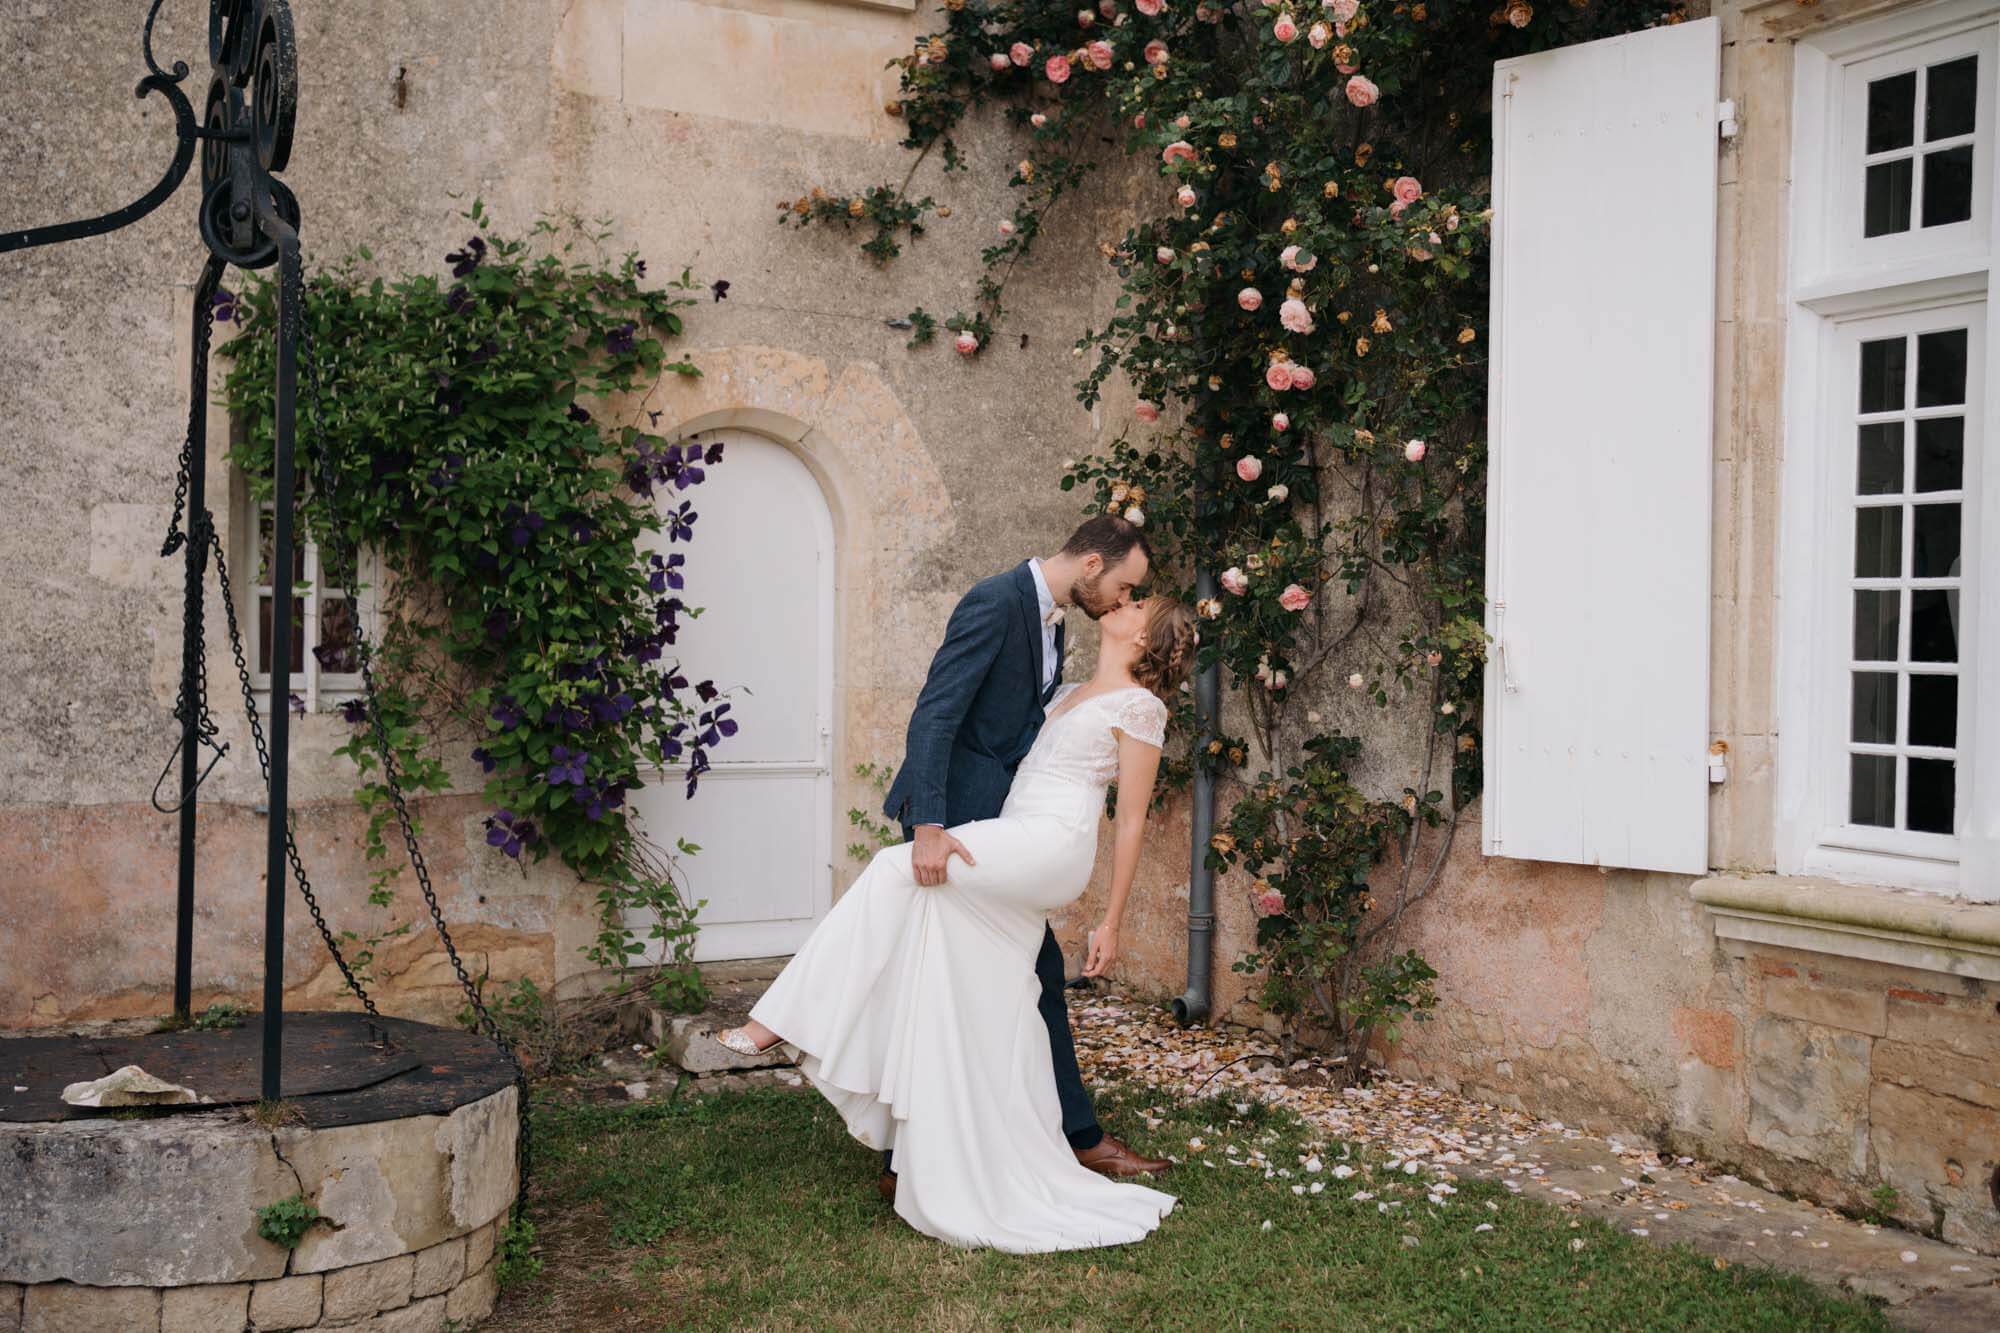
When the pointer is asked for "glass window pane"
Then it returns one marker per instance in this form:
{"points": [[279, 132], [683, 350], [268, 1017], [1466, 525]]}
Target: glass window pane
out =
{"points": [[1934, 711], [1948, 186], [1934, 544], [1931, 795], [1871, 793], [1883, 366], [1885, 206], [1874, 712], [1880, 459], [1950, 96], [1940, 453], [1892, 112], [1878, 541], [1933, 625], [335, 649], [1875, 622], [264, 632], [1941, 368]]}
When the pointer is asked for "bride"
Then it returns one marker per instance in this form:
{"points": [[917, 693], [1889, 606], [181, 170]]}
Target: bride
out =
{"points": [[913, 1009]]}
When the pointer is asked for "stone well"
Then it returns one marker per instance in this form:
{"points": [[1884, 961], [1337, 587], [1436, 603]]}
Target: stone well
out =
{"points": [[148, 1220]]}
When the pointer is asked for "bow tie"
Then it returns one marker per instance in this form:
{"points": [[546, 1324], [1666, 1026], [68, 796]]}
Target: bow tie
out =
{"points": [[1052, 617]]}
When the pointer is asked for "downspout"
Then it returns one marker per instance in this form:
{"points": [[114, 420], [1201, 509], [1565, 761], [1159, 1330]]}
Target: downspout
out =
{"points": [[1192, 1006]]}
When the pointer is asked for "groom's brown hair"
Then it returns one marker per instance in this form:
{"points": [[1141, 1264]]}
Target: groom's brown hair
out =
{"points": [[1109, 537]]}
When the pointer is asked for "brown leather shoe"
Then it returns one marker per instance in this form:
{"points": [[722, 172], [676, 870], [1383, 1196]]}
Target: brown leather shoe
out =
{"points": [[886, 1186], [1112, 1158]]}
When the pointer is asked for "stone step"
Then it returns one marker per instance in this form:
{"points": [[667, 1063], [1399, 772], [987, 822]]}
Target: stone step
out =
{"points": [[688, 1041]]}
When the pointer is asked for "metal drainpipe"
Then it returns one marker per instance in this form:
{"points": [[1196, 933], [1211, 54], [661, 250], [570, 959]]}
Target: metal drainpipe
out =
{"points": [[1192, 1007]]}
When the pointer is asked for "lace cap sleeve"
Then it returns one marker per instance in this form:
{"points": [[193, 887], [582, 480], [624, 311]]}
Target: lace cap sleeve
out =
{"points": [[1143, 716]]}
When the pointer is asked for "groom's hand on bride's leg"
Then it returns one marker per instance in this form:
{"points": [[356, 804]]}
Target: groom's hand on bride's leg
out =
{"points": [[934, 849]]}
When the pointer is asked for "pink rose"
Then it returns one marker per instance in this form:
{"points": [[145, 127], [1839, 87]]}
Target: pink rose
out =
{"points": [[1287, 255], [1100, 55], [1084, 18], [1284, 29], [1006, 227], [1180, 150], [1361, 91], [1139, 121], [1295, 317], [1182, 120], [1294, 598], [1235, 582], [1249, 467], [1057, 69], [1156, 52], [998, 60], [1207, 13], [1357, 681], [1150, 8], [1250, 298], [1185, 196], [1107, 7], [1433, 657], [1345, 68], [1280, 422], [1038, 120], [1344, 10], [1145, 411], [1303, 377], [1020, 53], [1277, 681], [1165, 254], [1406, 189], [1415, 450], [1278, 375], [1280, 493], [1270, 902], [1317, 35], [966, 343]]}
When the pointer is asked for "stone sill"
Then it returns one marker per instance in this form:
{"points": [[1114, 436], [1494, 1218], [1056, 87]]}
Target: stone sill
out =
{"points": [[1902, 928]]}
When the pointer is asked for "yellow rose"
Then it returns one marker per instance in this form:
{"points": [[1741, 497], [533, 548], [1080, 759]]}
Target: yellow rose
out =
{"points": [[1361, 347], [1227, 139], [1466, 335], [1331, 189], [855, 208], [1381, 324]]}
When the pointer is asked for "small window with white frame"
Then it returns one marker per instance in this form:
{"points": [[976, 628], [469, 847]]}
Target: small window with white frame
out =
{"points": [[1911, 177], [326, 620]]}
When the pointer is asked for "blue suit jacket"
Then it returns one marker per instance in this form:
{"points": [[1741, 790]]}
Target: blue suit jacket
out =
{"points": [[980, 707]]}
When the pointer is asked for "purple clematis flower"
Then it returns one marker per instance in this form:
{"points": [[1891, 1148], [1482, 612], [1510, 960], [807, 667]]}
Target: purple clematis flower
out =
{"points": [[506, 713], [354, 712], [481, 756], [460, 301], [509, 833], [226, 306], [568, 767], [464, 261], [578, 413], [619, 341], [721, 288], [298, 705]]}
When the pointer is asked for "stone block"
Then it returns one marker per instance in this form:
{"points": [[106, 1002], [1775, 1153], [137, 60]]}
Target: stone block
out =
{"points": [[366, 1289], [479, 1245], [1707, 1034], [1944, 1021], [688, 1041], [209, 1309], [1829, 1003], [439, 1268], [1808, 1089], [425, 1316], [64, 1307], [1930, 1070], [289, 1302], [1941, 1154], [158, 1203], [10, 1307], [393, 1187], [472, 1299]]}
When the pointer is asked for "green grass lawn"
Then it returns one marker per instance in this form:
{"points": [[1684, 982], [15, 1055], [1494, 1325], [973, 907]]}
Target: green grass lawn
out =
{"points": [[756, 1210]]}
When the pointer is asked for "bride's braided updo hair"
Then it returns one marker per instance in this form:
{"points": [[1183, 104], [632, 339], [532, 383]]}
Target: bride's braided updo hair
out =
{"points": [[1167, 655]]}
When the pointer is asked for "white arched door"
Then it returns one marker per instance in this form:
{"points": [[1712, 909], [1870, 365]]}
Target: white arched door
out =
{"points": [[761, 566]]}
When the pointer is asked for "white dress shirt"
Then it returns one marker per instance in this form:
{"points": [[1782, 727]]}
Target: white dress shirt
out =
{"points": [[1046, 605]]}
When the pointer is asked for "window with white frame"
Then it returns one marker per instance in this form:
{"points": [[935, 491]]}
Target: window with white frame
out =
{"points": [[1886, 488], [326, 617]]}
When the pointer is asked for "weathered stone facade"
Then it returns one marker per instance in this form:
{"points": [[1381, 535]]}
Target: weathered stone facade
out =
{"points": [[152, 1225]]}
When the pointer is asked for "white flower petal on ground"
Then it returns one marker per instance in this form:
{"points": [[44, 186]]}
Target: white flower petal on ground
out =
{"points": [[1266, 1226], [1483, 1226], [1576, 1244], [1908, 1256], [1314, 1165]]}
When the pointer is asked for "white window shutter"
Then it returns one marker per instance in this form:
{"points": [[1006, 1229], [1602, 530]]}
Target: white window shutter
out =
{"points": [[1600, 421]]}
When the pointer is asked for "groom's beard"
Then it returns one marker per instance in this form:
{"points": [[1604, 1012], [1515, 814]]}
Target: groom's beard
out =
{"points": [[1088, 594]]}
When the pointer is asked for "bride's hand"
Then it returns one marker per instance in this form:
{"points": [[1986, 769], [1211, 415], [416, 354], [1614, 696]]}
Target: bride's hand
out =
{"points": [[1103, 950]]}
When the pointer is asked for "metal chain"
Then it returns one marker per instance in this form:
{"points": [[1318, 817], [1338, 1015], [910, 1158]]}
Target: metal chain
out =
{"points": [[347, 563]]}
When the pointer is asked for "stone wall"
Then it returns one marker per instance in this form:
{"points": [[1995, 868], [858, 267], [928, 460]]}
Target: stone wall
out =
{"points": [[151, 1224], [682, 124]]}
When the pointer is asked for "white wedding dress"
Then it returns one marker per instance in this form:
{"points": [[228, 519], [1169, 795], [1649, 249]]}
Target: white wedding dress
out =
{"points": [[913, 1009]]}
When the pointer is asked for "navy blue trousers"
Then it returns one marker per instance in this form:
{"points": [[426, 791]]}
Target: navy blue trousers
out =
{"points": [[1079, 1117]]}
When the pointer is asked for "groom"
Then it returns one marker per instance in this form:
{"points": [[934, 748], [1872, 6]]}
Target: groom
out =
{"points": [[978, 713]]}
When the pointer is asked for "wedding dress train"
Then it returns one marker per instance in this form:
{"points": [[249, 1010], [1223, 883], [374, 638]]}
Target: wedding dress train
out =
{"points": [[913, 1008]]}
